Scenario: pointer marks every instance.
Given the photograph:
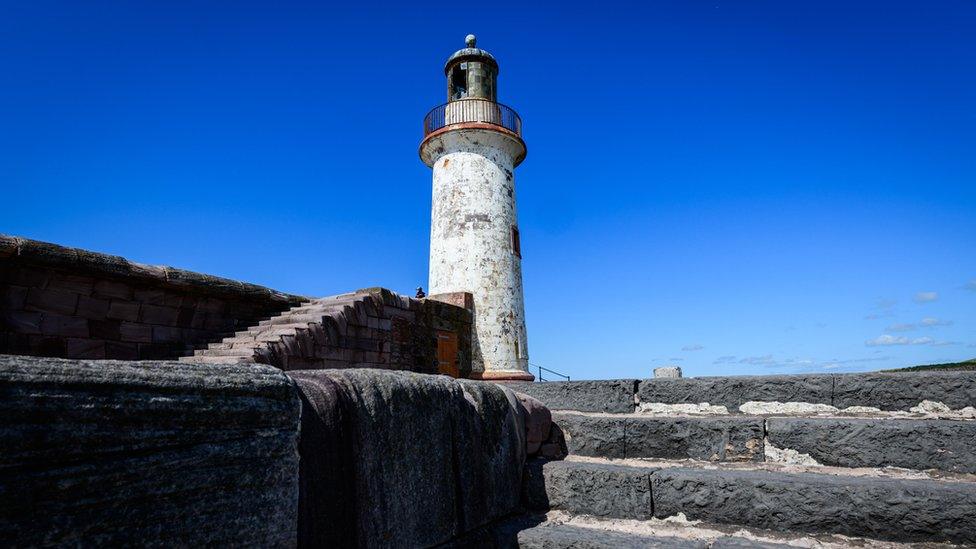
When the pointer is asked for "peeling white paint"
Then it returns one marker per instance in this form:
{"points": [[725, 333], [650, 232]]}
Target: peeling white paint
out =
{"points": [[786, 456], [471, 240]]}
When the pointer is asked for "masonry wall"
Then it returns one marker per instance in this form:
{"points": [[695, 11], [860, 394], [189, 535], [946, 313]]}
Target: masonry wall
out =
{"points": [[369, 328], [66, 302]]}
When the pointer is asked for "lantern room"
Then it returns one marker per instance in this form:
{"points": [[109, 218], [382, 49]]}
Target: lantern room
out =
{"points": [[472, 73]]}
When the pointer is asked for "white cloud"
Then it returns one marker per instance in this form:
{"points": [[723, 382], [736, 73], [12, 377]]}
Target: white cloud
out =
{"points": [[930, 322], [727, 359], [926, 297], [945, 343], [831, 366], [900, 328], [764, 360], [695, 347], [885, 340]]}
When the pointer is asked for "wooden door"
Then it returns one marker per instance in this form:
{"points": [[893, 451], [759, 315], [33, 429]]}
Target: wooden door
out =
{"points": [[447, 353]]}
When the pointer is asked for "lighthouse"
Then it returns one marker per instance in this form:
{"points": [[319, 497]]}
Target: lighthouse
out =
{"points": [[473, 144]]}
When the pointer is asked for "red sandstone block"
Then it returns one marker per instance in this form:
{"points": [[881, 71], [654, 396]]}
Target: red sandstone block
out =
{"points": [[155, 314], [90, 307], [211, 305], [199, 319], [85, 348], [53, 301], [123, 310], [149, 296], [23, 322], [12, 297], [139, 333], [121, 351], [60, 325], [28, 276], [112, 289], [47, 346], [104, 329], [162, 334], [184, 318], [81, 285], [148, 351], [14, 344]]}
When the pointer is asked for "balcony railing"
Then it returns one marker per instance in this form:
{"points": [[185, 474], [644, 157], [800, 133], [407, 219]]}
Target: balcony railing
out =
{"points": [[472, 110]]}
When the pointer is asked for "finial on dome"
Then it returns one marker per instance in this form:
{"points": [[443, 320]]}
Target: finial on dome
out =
{"points": [[470, 40]]}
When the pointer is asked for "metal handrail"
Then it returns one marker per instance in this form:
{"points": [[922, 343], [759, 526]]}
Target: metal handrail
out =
{"points": [[544, 369], [472, 110]]}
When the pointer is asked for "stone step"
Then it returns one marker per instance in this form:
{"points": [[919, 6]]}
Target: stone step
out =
{"points": [[885, 507], [883, 391], [197, 359], [562, 536], [241, 352], [732, 438], [922, 444], [557, 530]]}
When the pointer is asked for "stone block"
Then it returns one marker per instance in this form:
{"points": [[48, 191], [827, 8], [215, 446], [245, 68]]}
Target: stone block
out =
{"points": [[92, 308], [159, 315], [76, 284], [49, 346], [32, 277], [562, 536], [111, 289], [123, 310], [901, 391], [12, 297], [613, 395], [599, 489], [667, 372], [164, 334], [404, 459], [598, 436], [104, 329], [138, 333], [873, 507], [111, 453], [84, 348], [68, 326], [699, 438], [121, 351], [22, 322], [913, 444], [734, 391], [52, 301]]}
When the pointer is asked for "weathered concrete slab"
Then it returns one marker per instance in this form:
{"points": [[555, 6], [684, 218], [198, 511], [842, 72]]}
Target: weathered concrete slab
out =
{"points": [[915, 444], [901, 391], [599, 489], [732, 392], [703, 438], [611, 395], [108, 453], [880, 508], [406, 460]]}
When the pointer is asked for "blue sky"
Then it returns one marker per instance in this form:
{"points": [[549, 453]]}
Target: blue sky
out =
{"points": [[733, 187]]}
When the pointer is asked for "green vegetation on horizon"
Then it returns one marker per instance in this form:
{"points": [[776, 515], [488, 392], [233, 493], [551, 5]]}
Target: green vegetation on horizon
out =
{"points": [[964, 365]]}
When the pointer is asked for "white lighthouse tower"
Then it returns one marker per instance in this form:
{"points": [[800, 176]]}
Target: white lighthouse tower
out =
{"points": [[473, 144]]}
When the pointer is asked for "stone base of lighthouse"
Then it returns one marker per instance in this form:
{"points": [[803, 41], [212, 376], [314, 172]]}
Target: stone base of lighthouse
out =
{"points": [[474, 240]]}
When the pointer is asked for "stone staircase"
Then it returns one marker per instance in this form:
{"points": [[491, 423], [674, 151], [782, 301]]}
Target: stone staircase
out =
{"points": [[866, 460], [337, 331]]}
